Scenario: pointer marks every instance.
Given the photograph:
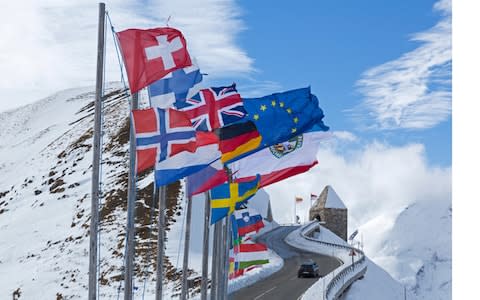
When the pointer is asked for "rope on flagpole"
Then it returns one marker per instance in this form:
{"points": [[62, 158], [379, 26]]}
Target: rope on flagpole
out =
{"points": [[117, 49], [120, 64]]}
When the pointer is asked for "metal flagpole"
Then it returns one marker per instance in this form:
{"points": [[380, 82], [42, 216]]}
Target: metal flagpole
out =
{"points": [[219, 265], [160, 242], [186, 248], [132, 197], [226, 244], [92, 276], [227, 239], [206, 236], [214, 263], [215, 258]]}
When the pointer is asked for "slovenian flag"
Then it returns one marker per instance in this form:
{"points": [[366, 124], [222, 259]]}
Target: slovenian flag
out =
{"points": [[248, 220]]}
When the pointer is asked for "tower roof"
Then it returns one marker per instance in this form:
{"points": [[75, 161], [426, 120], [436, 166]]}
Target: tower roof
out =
{"points": [[329, 199]]}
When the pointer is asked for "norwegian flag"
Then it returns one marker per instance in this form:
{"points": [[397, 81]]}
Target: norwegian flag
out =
{"points": [[213, 108], [160, 134], [150, 54]]}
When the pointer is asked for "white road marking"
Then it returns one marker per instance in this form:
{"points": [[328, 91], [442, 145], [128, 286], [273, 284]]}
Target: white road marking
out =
{"points": [[263, 294]]}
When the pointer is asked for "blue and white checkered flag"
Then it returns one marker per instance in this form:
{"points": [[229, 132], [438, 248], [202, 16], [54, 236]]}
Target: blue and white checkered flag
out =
{"points": [[176, 86]]}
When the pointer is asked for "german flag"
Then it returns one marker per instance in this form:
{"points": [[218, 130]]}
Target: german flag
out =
{"points": [[238, 139]]}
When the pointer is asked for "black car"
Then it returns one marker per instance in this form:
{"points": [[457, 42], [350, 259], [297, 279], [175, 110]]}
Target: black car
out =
{"points": [[308, 269]]}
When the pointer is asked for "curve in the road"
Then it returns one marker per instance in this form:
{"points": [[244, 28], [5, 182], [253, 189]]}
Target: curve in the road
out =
{"points": [[284, 284]]}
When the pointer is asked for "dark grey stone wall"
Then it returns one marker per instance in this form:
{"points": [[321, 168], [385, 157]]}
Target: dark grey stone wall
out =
{"points": [[335, 219]]}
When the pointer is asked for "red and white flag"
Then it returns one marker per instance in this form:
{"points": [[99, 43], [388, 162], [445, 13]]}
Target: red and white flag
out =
{"points": [[280, 161], [150, 54]]}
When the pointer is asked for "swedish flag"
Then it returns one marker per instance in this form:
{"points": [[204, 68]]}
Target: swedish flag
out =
{"points": [[229, 196]]}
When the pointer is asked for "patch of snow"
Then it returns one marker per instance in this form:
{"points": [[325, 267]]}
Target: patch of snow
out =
{"points": [[377, 284], [333, 201], [257, 274]]}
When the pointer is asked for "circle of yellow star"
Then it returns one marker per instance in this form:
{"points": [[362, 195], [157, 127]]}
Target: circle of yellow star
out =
{"points": [[256, 117], [294, 130], [289, 110], [282, 104], [263, 107], [274, 103], [295, 120]]}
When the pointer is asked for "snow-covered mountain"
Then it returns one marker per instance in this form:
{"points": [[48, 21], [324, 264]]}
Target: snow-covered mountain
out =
{"points": [[417, 251], [45, 187]]}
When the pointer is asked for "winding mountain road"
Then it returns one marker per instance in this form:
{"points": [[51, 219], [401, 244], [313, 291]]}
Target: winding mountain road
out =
{"points": [[284, 284]]}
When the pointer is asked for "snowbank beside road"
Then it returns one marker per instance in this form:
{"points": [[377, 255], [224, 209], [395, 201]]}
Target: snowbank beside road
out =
{"points": [[377, 284], [257, 274]]}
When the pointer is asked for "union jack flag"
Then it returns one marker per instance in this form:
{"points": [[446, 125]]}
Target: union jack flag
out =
{"points": [[213, 108], [160, 134]]}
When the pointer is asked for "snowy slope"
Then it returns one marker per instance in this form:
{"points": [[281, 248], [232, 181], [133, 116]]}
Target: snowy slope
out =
{"points": [[377, 284], [418, 251], [45, 187]]}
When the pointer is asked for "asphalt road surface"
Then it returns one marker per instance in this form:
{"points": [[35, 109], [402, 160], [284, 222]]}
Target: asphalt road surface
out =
{"points": [[284, 284]]}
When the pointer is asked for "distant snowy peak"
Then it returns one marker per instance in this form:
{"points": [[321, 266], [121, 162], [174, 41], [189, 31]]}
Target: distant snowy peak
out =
{"points": [[416, 258]]}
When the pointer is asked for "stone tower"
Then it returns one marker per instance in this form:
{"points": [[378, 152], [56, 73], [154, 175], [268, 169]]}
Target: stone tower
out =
{"points": [[329, 208]]}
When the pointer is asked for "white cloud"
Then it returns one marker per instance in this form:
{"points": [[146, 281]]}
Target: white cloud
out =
{"points": [[51, 45], [413, 91], [375, 183], [345, 136]]}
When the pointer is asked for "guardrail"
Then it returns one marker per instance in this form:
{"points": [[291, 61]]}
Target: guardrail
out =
{"points": [[341, 281]]}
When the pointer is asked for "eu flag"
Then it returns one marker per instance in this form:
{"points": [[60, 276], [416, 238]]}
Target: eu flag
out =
{"points": [[229, 196], [281, 116]]}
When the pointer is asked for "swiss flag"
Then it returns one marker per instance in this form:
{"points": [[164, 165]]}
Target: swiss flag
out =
{"points": [[151, 54]]}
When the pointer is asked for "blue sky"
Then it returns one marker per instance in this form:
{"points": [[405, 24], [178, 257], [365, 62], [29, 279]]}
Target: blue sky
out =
{"points": [[329, 45]]}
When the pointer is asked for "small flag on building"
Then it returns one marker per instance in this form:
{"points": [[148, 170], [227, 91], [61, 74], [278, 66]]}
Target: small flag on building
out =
{"points": [[313, 198], [353, 235]]}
